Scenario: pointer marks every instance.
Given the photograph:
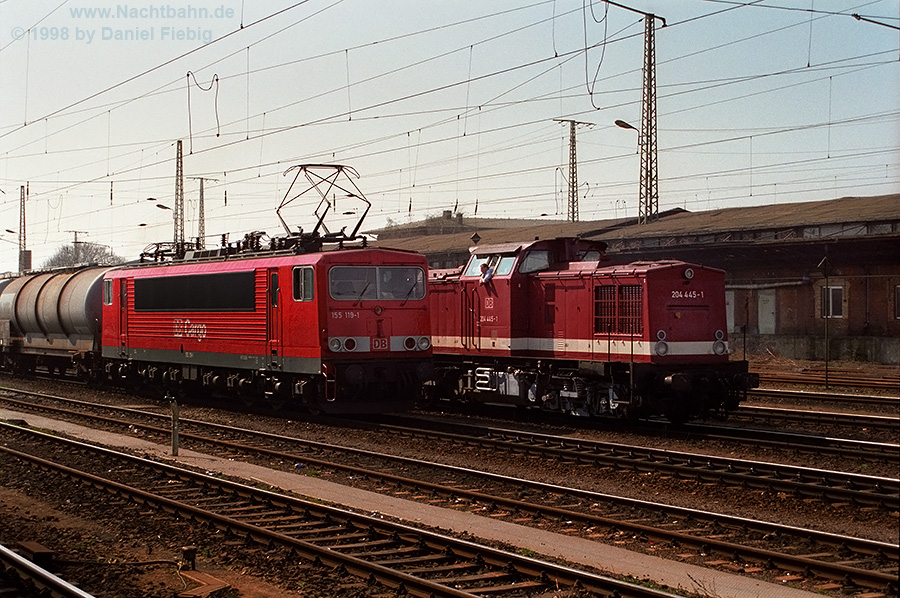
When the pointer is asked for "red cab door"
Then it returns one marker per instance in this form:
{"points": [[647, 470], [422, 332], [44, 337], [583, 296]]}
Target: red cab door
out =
{"points": [[273, 318]]}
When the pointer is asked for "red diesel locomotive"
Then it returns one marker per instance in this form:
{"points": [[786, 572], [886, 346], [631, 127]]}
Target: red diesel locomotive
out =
{"points": [[318, 319], [554, 324]]}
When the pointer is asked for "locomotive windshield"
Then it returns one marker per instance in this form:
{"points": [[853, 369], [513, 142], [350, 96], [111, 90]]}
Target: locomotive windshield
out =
{"points": [[358, 283]]}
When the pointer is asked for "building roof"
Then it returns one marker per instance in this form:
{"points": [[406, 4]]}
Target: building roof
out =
{"points": [[847, 216]]}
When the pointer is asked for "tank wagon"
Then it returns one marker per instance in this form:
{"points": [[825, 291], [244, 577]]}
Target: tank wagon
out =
{"points": [[50, 319], [318, 318], [554, 324]]}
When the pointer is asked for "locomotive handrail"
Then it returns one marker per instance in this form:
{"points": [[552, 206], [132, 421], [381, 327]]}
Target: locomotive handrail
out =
{"points": [[476, 319], [463, 309]]}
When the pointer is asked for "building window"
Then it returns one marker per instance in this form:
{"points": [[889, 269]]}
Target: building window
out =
{"points": [[832, 302], [897, 302]]}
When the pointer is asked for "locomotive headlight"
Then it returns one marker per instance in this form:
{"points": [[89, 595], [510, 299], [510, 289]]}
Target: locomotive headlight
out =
{"points": [[349, 344], [424, 343], [688, 273], [662, 348], [720, 335], [409, 343], [661, 335], [334, 344], [719, 347]]}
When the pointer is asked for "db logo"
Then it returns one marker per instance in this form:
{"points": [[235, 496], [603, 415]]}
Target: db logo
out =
{"points": [[380, 344], [489, 303]]}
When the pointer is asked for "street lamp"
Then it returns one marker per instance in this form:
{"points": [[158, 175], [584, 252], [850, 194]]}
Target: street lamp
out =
{"points": [[624, 125]]}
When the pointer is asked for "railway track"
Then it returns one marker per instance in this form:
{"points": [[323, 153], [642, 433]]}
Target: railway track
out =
{"points": [[835, 379], [795, 442], [613, 518], [876, 491], [399, 557], [805, 416], [21, 578], [791, 442], [802, 481], [824, 397]]}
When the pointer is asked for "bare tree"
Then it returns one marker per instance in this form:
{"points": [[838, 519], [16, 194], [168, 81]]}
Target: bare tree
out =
{"points": [[79, 254]]}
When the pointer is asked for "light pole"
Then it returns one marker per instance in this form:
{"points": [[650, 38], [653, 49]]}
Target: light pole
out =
{"points": [[648, 196], [628, 126]]}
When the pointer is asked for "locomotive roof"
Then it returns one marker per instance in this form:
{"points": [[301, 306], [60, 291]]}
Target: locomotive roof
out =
{"points": [[255, 259]]}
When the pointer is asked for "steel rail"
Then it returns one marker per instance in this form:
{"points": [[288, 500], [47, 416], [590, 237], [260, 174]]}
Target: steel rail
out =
{"points": [[823, 397], [880, 422], [887, 452], [834, 379], [44, 582]]}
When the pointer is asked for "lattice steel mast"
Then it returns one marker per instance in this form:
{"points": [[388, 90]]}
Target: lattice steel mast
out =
{"points": [[23, 255], [572, 213], [179, 203], [648, 208]]}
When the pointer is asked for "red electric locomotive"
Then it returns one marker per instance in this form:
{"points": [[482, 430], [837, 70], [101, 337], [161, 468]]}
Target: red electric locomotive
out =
{"points": [[341, 331], [315, 318], [554, 324]]}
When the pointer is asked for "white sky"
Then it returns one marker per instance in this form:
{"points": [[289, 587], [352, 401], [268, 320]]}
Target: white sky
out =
{"points": [[437, 105]]}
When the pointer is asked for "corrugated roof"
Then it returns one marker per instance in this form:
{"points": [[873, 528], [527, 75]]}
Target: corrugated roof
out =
{"points": [[846, 210]]}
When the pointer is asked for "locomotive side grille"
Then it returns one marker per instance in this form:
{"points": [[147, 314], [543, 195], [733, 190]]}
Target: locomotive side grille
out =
{"points": [[618, 309], [631, 309], [604, 309]]}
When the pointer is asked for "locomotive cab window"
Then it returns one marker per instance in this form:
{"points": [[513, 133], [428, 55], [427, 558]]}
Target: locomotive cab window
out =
{"points": [[506, 265], [474, 267], [535, 261], [107, 291], [502, 265], [304, 284], [360, 283]]}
